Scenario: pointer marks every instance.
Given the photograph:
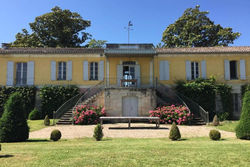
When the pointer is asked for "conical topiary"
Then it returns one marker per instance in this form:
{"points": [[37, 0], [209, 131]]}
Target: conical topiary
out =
{"points": [[13, 124], [243, 128], [174, 133], [46, 120], [98, 134], [216, 121]]}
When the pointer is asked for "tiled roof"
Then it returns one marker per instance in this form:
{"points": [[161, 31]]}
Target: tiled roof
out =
{"points": [[229, 49], [50, 50]]}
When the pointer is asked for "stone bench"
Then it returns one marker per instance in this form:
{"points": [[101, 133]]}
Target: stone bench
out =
{"points": [[129, 119]]}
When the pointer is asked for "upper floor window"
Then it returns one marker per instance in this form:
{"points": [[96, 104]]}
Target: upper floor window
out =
{"points": [[61, 71], [93, 71], [233, 70], [21, 73], [194, 70]]}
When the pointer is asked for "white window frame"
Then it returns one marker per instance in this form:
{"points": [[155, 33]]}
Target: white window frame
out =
{"points": [[62, 71], [93, 69], [22, 79], [195, 70]]}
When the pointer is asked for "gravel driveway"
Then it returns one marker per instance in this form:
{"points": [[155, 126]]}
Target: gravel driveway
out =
{"points": [[138, 130]]}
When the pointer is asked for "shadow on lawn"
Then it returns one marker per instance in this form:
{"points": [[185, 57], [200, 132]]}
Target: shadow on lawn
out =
{"points": [[136, 128], [37, 140], [6, 156]]}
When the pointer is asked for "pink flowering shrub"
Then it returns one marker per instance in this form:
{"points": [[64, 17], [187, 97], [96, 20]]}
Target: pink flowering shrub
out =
{"points": [[85, 114], [169, 114]]}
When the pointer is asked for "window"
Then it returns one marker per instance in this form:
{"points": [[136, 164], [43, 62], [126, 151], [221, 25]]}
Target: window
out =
{"points": [[233, 70], [21, 73], [93, 71], [61, 71], [194, 70], [236, 103]]}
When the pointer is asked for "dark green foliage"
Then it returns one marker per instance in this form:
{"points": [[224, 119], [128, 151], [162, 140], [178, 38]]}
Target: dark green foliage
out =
{"points": [[243, 128], [98, 134], [28, 94], [55, 135], [214, 135], [13, 124], [58, 28], [244, 88], [203, 92], [174, 133], [52, 97], [195, 29], [34, 114], [216, 121], [223, 116], [46, 120]]}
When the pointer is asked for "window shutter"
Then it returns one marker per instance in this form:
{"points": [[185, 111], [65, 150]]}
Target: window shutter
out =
{"points": [[101, 70], [137, 74], [242, 69], [203, 69], [10, 72], [188, 70], [69, 71], [119, 74], [85, 70], [53, 71], [227, 69], [166, 70], [161, 70], [30, 73]]}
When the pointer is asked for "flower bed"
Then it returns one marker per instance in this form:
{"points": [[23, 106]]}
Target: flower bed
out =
{"points": [[170, 114], [86, 115]]}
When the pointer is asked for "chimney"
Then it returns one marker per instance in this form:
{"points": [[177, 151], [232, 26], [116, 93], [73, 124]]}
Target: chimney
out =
{"points": [[5, 45]]}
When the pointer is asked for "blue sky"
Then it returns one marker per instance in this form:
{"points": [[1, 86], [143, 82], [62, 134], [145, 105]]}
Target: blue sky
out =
{"points": [[109, 17]]}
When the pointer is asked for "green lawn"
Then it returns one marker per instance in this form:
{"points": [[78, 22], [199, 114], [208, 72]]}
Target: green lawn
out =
{"points": [[37, 124], [228, 126], [127, 152]]}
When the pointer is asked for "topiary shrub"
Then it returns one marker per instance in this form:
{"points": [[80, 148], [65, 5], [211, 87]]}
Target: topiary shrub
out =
{"points": [[98, 134], [46, 120], [214, 135], [243, 128], [55, 135], [174, 133], [13, 124], [34, 114], [216, 121]]}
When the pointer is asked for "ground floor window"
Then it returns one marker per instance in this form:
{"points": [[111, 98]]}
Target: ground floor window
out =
{"points": [[236, 102], [61, 71], [93, 71], [21, 73], [194, 70], [233, 70]]}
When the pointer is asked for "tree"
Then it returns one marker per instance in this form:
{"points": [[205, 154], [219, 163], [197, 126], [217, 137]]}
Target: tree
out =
{"points": [[96, 43], [195, 29], [13, 124], [58, 28]]}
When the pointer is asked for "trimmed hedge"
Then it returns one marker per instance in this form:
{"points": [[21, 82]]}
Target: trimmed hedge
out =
{"points": [[28, 94], [98, 134], [55, 135], [52, 97], [174, 133], [214, 135], [243, 128], [13, 124], [34, 114]]}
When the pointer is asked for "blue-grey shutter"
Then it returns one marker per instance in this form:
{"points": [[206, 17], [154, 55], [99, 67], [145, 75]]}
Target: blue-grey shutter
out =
{"points": [[101, 70], [69, 71], [242, 69], [30, 73], [10, 73], [188, 70], [166, 70], [85, 70], [138, 74], [119, 74], [227, 69], [203, 69], [161, 69], [53, 71]]}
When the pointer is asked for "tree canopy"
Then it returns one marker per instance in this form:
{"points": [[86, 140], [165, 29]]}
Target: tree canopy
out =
{"points": [[93, 43], [195, 29], [58, 28]]}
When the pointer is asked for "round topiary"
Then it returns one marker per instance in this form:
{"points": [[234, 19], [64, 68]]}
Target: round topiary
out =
{"points": [[46, 120], [34, 114], [13, 123], [243, 128], [216, 121], [55, 135], [98, 134], [214, 135], [174, 133]]}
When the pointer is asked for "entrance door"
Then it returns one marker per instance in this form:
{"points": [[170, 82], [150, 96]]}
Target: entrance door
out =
{"points": [[130, 106]]}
